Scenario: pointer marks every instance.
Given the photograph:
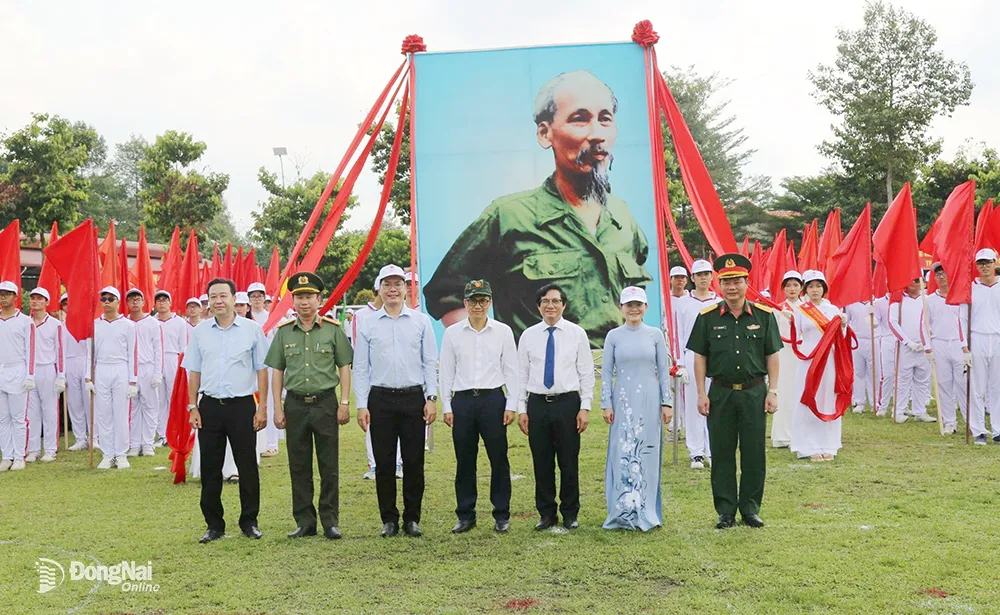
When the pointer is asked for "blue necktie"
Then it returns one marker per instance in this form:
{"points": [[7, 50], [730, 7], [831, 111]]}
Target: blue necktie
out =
{"points": [[550, 360]]}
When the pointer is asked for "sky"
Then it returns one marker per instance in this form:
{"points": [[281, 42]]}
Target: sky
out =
{"points": [[245, 77]]}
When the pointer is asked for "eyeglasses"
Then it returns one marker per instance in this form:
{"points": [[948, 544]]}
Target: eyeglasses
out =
{"points": [[480, 301], [108, 300], [556, 302]]}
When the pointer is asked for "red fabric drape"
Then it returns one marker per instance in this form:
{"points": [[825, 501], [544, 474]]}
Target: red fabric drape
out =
{"points": [[49, 278], [75, 257], [850, 275], [841, 344], [180, 435]]}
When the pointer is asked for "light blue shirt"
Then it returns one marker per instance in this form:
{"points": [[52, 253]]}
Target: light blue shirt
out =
{"points": [[396, 353], [227, 358]]}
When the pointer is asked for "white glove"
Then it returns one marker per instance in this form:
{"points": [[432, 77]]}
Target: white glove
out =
{"points": [[967, 359], [60, 384], [682, 375], [132, 391], [29, 385], [89, 386], [914, 346], [788, 314], [843, 322], [156, 382]]}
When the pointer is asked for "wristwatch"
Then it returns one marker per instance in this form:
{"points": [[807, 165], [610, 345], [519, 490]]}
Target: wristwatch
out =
{"points": [[772, 391], [432, 398], [344, 402], [192, 407]]}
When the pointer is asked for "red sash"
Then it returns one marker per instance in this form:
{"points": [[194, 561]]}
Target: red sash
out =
{"points": [[843, 362]]}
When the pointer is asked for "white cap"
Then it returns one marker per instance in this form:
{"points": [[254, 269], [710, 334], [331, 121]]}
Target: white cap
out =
{"points": [[811, 275], [256, 287], [936, 265], [792, 274], [700, 266], [267, 298], [65, 297], [164, 293], [389, 271], [41, 292], [632, 293], [243, 298], [134, 291], [678, 270], [193, 300], [765, 293], [111, 290], [8, 286], [986, 254], [203, 299]]}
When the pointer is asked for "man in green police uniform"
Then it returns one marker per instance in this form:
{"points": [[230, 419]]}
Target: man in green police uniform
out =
{"points": [[310, 357], [736, 344], [570, 231]]}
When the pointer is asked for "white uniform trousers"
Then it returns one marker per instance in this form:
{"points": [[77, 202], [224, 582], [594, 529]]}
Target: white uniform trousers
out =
{"points": [[112, 407], [886, 348], [695, 425], [951, 379], [863, 373], [271, 432], [165, 392], [985, 382], [77, 398], [13, 424], [371, 453], [914, 381], [43, 411], [145, 409]]}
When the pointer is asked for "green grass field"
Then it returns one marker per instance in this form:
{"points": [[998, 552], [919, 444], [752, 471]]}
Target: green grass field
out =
{"points": [[904, 521]]}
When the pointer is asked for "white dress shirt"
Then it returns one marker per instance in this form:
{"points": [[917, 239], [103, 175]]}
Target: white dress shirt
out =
{"points": [[473, 359], [912, 329], [574, 363], [857, 319], [986, 308], [948, 323], [395, 353], [149, 343], [686, 312], [176, 332], [48, 345], [114, 341], [16, 339]]}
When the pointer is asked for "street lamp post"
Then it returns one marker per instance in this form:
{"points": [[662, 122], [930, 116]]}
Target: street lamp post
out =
{"points": [[279, 152]]}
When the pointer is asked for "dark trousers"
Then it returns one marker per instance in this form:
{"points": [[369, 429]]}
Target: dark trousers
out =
{"points": [[304, 424], [398, 416], [737, 418], [552, 436], [232, 419], [480, 416]]}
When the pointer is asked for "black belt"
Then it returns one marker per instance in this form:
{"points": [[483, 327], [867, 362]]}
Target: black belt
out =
{"points": [[550, 398], [403, 391], [738, 386], [315, 398], [228, 400], [477, 392]]}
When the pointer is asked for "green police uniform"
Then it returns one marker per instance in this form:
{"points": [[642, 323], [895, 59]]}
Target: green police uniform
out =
{"points": [[736, 349], [526, 240], [309, 359]]}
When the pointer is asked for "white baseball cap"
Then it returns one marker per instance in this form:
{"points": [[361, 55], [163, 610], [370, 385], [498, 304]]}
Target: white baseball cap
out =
{"points": [[632, 293], [811, 275], [700, 266], [8, 286], [267, 298], [203, 299], [256, 287], [409, 276], [678, 270], [389, 271], [111, 290], [243, 298], [986, 254], [134, 291], [64, 297], [41, 292], [157, 294], [792, 274], [193, 300], [936, 265]]}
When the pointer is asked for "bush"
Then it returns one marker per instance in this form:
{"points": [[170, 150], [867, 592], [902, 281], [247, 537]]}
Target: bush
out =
{"points": [[364, 296]]}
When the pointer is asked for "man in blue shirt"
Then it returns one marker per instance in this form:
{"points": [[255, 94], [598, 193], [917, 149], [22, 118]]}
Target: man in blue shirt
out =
{"points": [[395, 359], [225, 363]]}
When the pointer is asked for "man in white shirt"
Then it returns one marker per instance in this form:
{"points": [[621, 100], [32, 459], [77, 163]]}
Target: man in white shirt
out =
{"points": [[50, 380], [175, 338], [17, 377], [555, 388], [193, 310], [860, 317], [678, 289], [478, 359], [115, 377], [984, 342], [949, 326], [149, 357], [77, 372], [256, 293], [687, 310], [885, 347], [914, 375]]}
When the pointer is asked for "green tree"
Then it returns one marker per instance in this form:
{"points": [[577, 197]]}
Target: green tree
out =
{"points": [[399, 194], [114, 189], [888, 83], [937, 180]]}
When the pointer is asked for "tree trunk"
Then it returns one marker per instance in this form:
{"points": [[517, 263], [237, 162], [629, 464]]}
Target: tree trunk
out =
{"points": [[888, 186]]}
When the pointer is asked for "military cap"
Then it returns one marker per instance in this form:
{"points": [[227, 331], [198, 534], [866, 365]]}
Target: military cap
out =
{"points": [[478, 287], [732, 266], [305, 282]]}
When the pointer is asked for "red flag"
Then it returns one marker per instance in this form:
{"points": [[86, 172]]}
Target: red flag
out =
{"points": [[745, 248], [954, 241], [10, 255], [273, 273], [227, 263], [992, 232], [777, 265], [238, 270], [981, 223], [216, 268], [830, 241], [75, 258], [790, 262], [48, 278], [251, 270], [141, 274], [189, 282], [180, 435], [205, 277], [927, 247], [109, 259], [757, 266], [123, 282], [170, 269], [850, 275], [809, 251], [895, 242]]}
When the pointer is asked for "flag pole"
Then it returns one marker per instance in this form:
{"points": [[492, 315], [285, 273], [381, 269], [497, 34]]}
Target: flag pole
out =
{"points": [[93, 360], [926, 322], [676, 433], [968, 382], [871, 322], [895, 375], [65, 414]]}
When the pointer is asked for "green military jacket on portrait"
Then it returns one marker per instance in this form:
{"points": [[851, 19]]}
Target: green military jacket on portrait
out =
{"points": [[526, 240], [736, 349], [310, 358]]}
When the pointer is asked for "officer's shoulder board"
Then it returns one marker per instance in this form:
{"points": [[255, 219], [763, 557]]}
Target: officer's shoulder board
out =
{"points": [[710, 308], [763, 308], [331, 320], [286, 323]]}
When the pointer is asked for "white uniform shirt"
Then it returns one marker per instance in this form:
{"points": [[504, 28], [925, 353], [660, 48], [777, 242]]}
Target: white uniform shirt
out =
{"points": [[176, 332], [73, 349], [16, 339], [114, 341], [857, 319], [882, 318], [687, 310], [912, 328], [574, 364], [473, 359], [48, 344], [948, 323], [986, 308], [149, 343], [364, 312]]}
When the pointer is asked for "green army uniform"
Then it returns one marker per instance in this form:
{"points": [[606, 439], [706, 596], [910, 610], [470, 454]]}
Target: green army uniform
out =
{"points": [[526, 240], [309, 359], [736, 350]]}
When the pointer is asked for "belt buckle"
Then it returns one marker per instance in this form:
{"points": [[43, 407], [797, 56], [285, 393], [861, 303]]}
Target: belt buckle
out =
{"points": [[737, 387], [475, 392], [549, 398], [222, 402], [309, 399]]}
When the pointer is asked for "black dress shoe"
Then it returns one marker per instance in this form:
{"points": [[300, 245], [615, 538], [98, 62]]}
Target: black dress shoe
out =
{"points": [[211, 535], [545, 523], [502, 526], [753, 520], [332, 533], [303, 531], [412, 529], [570, 524], [389, 530], [463, 526], [725, 521], [251, 531]]}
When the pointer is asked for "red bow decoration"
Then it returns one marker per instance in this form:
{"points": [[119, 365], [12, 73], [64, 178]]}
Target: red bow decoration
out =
{"points": [[413, 43], [843, 361], [644, 34]]}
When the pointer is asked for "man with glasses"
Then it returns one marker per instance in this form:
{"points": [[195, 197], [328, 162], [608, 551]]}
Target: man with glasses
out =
{"points": [[175, 338], [17, 376], [555, 388], [949, 326], [478, 359], [50, 376], [149, 357], [77, 371]]}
